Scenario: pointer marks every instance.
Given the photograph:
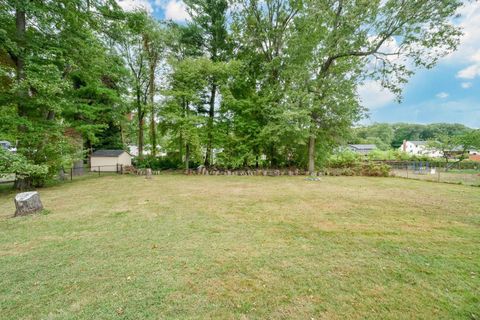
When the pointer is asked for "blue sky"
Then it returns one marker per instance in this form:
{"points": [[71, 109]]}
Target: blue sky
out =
{"points": [[450, 92]]}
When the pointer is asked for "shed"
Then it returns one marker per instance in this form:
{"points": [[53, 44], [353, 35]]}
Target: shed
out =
{"points": [[109, 160]]}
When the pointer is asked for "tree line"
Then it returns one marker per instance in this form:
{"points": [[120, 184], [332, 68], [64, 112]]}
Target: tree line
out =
{"points": [[244, 83], [388, 136]]}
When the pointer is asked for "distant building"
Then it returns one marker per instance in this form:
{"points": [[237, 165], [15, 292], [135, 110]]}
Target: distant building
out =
{"points": [[133, 150], [362, 148], [6, 145], [109, 160], [474, 155], [420, 148]]}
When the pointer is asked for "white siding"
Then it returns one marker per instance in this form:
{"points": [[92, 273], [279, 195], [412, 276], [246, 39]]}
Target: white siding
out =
{"points": [[109, 164]]}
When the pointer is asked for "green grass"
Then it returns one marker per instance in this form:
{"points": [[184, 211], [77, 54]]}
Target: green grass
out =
{"points": [[176, 247]]}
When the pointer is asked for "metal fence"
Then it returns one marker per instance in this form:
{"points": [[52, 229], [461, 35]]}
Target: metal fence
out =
{"points": [[468, 174], [88, 171], [77, 172]]}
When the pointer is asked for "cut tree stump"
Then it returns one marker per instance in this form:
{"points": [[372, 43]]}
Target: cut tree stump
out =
{"points": [[27, 203]]}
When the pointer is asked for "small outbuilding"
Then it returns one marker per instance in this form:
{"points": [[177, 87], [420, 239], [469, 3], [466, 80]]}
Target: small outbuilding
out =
{"points": [[109, 160], [362, 148]]}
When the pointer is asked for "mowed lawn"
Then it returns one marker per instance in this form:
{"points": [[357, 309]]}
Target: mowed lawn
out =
{"points": [[177, 247]]}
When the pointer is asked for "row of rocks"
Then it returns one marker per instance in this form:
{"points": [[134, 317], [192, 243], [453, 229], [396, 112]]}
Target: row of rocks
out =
{"points": [[264, 172], [203, 171]]}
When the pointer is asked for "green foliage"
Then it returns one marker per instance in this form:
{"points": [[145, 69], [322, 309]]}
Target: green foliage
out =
{"points": [[387, 136], [348, 163], [244, 84], [159, 163], [60, 83], [456, 148], [343, 159], [367, 169], [13, 163]]}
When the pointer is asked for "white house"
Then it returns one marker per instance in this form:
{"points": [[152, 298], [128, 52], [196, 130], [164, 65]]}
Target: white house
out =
{"points": [[109, 160], [420, 148]]}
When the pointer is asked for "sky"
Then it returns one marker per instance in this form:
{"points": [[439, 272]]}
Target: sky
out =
{"points": [[449, 92]]}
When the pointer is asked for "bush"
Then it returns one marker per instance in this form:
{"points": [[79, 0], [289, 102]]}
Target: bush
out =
{"points": [[372, 169], [25, 171], [369, 169], [162, 163], [344, 159]]}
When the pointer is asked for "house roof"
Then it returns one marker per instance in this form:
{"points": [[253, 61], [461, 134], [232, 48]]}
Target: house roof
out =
{"points": [[418, 143], [107, 153], [363, 146]]}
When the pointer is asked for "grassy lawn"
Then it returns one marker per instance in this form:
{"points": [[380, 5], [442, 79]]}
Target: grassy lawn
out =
{"points": [[123, 247]]}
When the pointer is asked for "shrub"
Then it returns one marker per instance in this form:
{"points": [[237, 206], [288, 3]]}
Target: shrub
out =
{"points": [[160, 163], [359, 168], [372, 169], [25, 171], [344, 159]]}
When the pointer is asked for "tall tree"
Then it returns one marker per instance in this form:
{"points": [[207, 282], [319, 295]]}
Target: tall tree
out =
{"points": [[153, 42], [131, 40], [211, 17], [392, 36], [38, 40]]}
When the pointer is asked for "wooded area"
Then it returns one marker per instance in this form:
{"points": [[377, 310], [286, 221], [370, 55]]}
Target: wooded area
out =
{"points": [[245, 83]]}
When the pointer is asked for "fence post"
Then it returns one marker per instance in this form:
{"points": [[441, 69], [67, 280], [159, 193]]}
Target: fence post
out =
{"points": [[71, 174], [99, 171], [121, 169], [406, 167]]}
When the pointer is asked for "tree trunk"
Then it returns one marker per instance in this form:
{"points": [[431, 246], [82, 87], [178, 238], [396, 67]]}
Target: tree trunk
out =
{"points": [[153, 133], [311, 154], [19, 59], [23, 184], [140, 124], [187, 157], [140, 137], [20, 19], [273, 161], [211, 115]]}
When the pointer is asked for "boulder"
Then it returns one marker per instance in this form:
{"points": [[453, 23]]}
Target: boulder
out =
{"points": [[27, 203]]}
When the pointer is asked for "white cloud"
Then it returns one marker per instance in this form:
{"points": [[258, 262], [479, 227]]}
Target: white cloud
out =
{"points": [[130, 5], [175, 10], [467, 85], [469, 50], [470, 72], [442, 95], [374, 96]]}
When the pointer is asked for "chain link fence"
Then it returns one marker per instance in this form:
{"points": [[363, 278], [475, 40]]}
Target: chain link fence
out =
{"points": [[459, 173]]}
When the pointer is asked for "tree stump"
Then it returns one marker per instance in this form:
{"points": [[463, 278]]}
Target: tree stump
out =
{"points": [[27, 203], [148, 173]]}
